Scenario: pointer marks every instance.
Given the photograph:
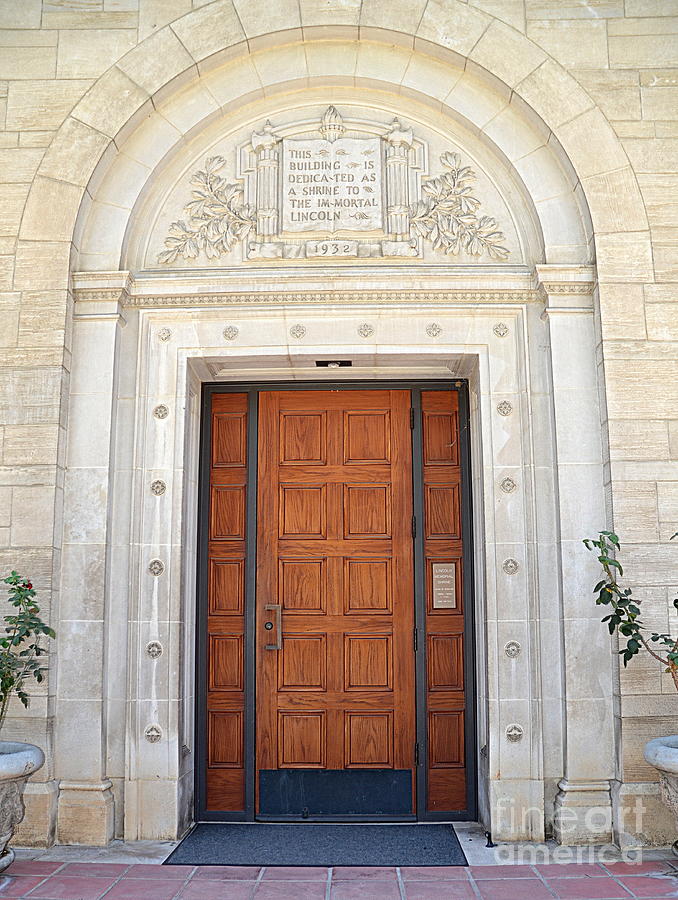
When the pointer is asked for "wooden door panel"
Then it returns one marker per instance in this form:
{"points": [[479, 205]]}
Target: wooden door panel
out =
{"points": [[225, 739], [441, 434], [367, 587], [303, 438], [368, 662], [303, 511], [445, 662], [369, 739], [229, 439], [227, 512], [302, 585], [226, 662], [302, 739], [441, 511], [367, 510], [226, 586], [367, 437], [302, 663], [335, 551]]}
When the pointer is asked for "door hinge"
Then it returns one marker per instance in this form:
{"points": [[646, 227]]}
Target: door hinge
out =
{"points": [[416, 753], [412, 419], [416, 640], [414, 526]]}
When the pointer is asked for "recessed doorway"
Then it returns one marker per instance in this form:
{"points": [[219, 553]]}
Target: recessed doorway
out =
{"points": [[335, 631]]}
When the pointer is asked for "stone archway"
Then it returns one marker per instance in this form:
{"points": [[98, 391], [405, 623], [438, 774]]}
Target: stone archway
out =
{"points": [[188, 54]]}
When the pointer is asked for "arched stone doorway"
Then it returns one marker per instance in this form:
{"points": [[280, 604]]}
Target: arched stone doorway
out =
{"points": [[510, 327]]}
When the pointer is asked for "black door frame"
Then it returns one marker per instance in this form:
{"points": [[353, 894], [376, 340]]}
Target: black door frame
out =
{"points": [[202, 814]]}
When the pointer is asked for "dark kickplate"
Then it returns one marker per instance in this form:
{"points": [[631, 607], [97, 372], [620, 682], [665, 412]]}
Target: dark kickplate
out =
{"points": [[319, 845], [313, 793]]}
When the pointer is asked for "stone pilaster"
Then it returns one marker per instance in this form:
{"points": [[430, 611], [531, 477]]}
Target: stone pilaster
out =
{"points": [[85, 804], [398, 144], [266, 148], [583, 812]]}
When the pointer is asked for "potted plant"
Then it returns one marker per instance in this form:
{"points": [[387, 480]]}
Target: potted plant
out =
{"points": [[624, 618], [20, 661]]}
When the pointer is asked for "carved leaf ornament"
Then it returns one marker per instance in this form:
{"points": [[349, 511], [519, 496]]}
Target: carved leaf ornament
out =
{"points": [[218, 217], [447, 216]]}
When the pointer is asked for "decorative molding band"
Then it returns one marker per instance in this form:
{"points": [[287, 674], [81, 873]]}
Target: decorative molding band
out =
{"points": [[566, 288], [340, 298]]}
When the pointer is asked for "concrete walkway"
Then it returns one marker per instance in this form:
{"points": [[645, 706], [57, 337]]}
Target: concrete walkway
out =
{"points": [[133, 871], [39, 879]]}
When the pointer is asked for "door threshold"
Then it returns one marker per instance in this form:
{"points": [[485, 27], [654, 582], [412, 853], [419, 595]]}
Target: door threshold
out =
{"points": [[338, 820]]}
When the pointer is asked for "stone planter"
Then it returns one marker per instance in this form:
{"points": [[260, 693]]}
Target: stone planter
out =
{"points": [[17, 762], [662, 753]]}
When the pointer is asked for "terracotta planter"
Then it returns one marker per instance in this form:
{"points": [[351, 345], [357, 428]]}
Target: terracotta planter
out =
{"points": [[662, 753], [18, 761]]}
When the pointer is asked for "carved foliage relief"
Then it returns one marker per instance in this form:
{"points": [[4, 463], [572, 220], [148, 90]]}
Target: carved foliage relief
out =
{"points": [[335, 195]]}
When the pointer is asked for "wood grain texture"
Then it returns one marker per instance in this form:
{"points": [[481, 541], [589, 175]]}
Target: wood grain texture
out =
{"points": [[335, 549], [445, 700], [226, 604]]}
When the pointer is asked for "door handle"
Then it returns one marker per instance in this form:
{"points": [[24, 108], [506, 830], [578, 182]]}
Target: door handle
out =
{"points": [[277, 609]]}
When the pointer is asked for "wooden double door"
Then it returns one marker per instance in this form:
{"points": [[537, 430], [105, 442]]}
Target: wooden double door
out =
{"points": [[335, 649]]}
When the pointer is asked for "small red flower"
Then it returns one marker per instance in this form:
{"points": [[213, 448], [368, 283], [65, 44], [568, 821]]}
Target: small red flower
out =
{"points": [[29, 585]]}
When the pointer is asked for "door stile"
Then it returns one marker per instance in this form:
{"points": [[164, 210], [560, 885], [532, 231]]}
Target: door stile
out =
{"points": [[403, 649], [250, 602], [419, 603], [471, 739], [267, 511]]}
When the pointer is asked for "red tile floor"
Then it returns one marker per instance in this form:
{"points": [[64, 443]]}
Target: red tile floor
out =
{"points": [[43, 880]]}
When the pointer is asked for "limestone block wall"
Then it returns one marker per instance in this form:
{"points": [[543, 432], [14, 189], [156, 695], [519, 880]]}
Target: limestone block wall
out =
{"points": [[623, 54]]}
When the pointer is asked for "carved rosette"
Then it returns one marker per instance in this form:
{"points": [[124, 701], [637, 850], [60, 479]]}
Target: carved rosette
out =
{"points": [[514, 732], [510, 566], [512, 649]]}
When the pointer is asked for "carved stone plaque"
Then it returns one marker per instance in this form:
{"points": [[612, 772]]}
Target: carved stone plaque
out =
{"points": [[444, 585], [333, 196], [332, 186]]}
